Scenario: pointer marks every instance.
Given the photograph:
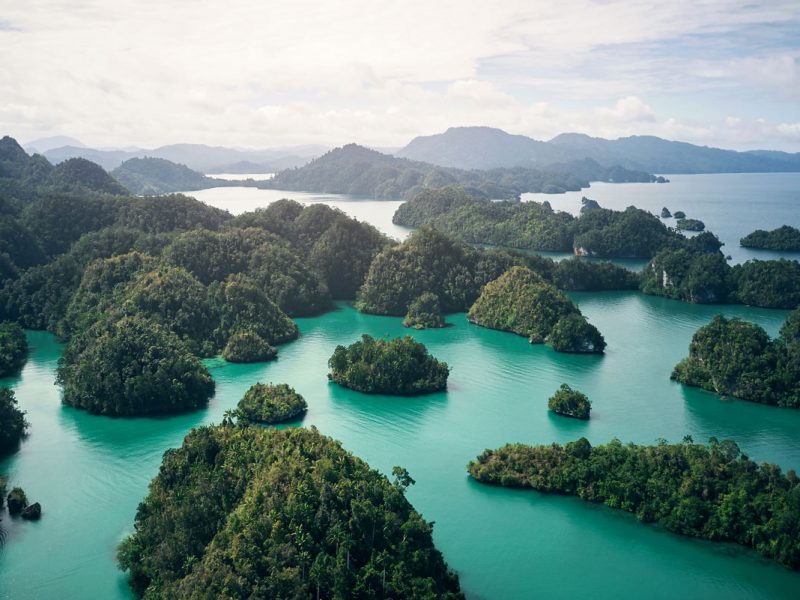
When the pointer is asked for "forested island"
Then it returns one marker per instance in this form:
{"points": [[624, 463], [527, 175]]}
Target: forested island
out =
{"points": [[400, 366], [782, 239], [570, 403], [150, 176], [357, 170], [286, 514], [521, 302], [424, 312], [269, 404], [712, 492], [732, 357], [690, 225]]}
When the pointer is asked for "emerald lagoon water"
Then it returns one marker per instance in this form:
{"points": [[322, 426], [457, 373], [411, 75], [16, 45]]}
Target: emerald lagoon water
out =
{"points": [[90, 472]]}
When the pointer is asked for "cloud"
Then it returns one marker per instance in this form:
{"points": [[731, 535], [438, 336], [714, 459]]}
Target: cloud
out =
{"points": [[247, 72]]}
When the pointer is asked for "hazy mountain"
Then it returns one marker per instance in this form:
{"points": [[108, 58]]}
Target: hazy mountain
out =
{"points": [[151, 176], [42, 145], [485, 147], [199, 157], [357, 170]]}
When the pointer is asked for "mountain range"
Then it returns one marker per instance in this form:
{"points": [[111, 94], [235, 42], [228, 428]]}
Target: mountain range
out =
{"points": [[487, 148]]}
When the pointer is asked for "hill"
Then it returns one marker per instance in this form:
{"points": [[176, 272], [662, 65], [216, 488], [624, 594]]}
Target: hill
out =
{"points": [[486, 147], [152, 176], [354, 169]]}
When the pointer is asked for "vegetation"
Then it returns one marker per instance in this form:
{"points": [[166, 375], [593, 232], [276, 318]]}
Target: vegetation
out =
{"points": [[521, 302], [424, 312], [690, 225], [13, 348], [400, 366], [12, 422], [582, 275], [285, 514], [782, 239], [732, 357], [632, 233], [768, 283], [270, 404], [17, 501], [132, 367], [713, 492], [679, 214], [665, 214], [570, 403], [153, 176], [248, 347]]}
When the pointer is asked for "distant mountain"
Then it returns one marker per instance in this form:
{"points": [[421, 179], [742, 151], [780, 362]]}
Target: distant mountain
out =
{"points": [[486, 147], [151, 176], [42, 145], [356, 170], [199, 157]]}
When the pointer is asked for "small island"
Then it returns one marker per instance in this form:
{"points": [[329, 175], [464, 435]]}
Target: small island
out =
{"points": [[248, 347], [286, 513], [270, 404], [12, 422], [424, 312], [521, 302], [685, 224], [570, 403], [13, 348], [782, 239], [679, 214], [400, 367], [665, 214], [712, 492], [732, 357]]}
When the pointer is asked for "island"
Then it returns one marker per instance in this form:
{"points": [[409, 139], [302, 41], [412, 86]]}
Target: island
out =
{"points": [[521, 302], [269, 404], [665, 214], [570, 403], [400, 366], [712, 492], [732, 357], [679, 214], [149, 176], [248, 347], [132, 367], [286, 512], [782, 239], [690, 224], [424, 312], [13, 348], [13, 425]]}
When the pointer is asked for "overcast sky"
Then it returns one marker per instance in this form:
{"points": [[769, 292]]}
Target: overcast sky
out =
{"points": [[263, 73]]}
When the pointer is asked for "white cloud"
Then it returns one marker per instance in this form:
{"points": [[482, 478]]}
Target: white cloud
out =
{"points": [[248, 72]]}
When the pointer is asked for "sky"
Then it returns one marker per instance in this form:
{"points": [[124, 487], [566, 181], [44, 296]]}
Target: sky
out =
{"points": [[271, 73]]}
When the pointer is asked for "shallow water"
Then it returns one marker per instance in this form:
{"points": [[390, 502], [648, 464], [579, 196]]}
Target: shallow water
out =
{"points": [[90, 472]]}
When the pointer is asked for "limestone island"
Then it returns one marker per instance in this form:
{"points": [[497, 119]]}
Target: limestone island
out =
{"points": [[270, 404], [522, 302], [400, 367], [782, 239], [570, 403]]}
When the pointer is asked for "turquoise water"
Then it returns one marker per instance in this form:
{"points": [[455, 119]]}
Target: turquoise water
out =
{"points": [[90, 472]]}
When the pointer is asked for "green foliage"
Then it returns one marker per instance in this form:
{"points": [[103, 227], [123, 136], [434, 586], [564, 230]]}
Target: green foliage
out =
{"points": [[266, 513], [132, 367], [175, 212], [679, 214], [570, 403], [688, 275], [782, 239], [269, 404], [768, 283], [632, 233], [400, 366], [151, 176], [13, 348], [732, 357], [79, 174], [17, 501], [12, 426], [248, 347], [690, 225], [573, 333], [521, 302], [711, 492], [581, 275], [424, 312], [242, 306]]}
